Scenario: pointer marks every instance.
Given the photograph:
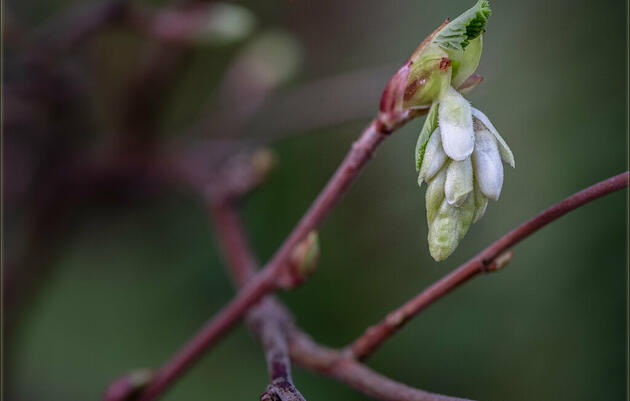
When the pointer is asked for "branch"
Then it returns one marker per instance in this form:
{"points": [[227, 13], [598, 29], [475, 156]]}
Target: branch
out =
{"points": [[341, 367], [266, 280], [72, 27], [273, 324], [323, 102], [145, 96], [394, 321], [85, 20], [269, 326]]}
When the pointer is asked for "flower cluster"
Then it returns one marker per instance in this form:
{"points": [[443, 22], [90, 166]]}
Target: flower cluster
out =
{"points": [[459, 152], [461, 163]]}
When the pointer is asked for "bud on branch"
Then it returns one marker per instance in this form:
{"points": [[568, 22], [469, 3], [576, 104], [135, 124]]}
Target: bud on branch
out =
{"points": [[459, 153], [302, 263]]}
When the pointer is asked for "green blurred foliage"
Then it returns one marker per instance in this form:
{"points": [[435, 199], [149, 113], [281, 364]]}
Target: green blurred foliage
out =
{"points": [[133, 283]]}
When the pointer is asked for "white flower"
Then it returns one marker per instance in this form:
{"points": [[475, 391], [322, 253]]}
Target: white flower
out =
{"points": [[462, 166]]}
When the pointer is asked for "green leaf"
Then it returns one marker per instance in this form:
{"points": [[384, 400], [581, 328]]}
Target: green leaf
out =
{"points": [[430, 124], [468, 26]]}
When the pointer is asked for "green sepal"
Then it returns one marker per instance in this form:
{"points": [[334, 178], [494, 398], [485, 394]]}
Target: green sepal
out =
{"points": [[430, 125]]}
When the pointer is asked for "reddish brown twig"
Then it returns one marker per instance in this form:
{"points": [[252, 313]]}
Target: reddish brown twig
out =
{"points": [[394, 321], [339, 366], [265, 281], [268, 325], [273, 324], [127, 387], [271, 328]]}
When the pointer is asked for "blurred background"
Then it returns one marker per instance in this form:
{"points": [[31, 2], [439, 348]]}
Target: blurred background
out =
{"points": [[108, 268]]}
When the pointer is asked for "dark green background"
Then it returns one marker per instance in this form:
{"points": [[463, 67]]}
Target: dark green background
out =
{"points": [[134, 281]]}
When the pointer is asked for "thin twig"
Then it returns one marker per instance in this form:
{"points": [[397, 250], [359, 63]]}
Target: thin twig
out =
{"points": [[265, 281], [270, 327], [394, 321], [339, 366], [273, 324]]}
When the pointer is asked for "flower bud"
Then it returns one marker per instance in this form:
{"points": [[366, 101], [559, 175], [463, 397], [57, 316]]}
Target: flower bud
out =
{"points": [[262, 162], [127, 387], [450, 225], [435, 195], [459, 181], [434, 157], [443, 238], [504, 149], [429, 77], [459, 153], [302, 263], [488, 167], [306, 255], [500, 262], [456, 127], [215, 24], [445, 58]]}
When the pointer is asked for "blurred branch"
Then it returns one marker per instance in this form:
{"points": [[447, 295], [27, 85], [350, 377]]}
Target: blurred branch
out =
{"points": [[489, 259], [266, 280], [146, 93], [73, 182], [68, 29], [193, 22], [262, 66], [322, 102], [71, 28], [174, 31]]}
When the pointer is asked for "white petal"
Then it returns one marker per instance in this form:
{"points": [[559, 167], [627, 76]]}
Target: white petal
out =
{"points": [[434, 156], [459, 181], [455, 122], [504, 149], [487, 164]]}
